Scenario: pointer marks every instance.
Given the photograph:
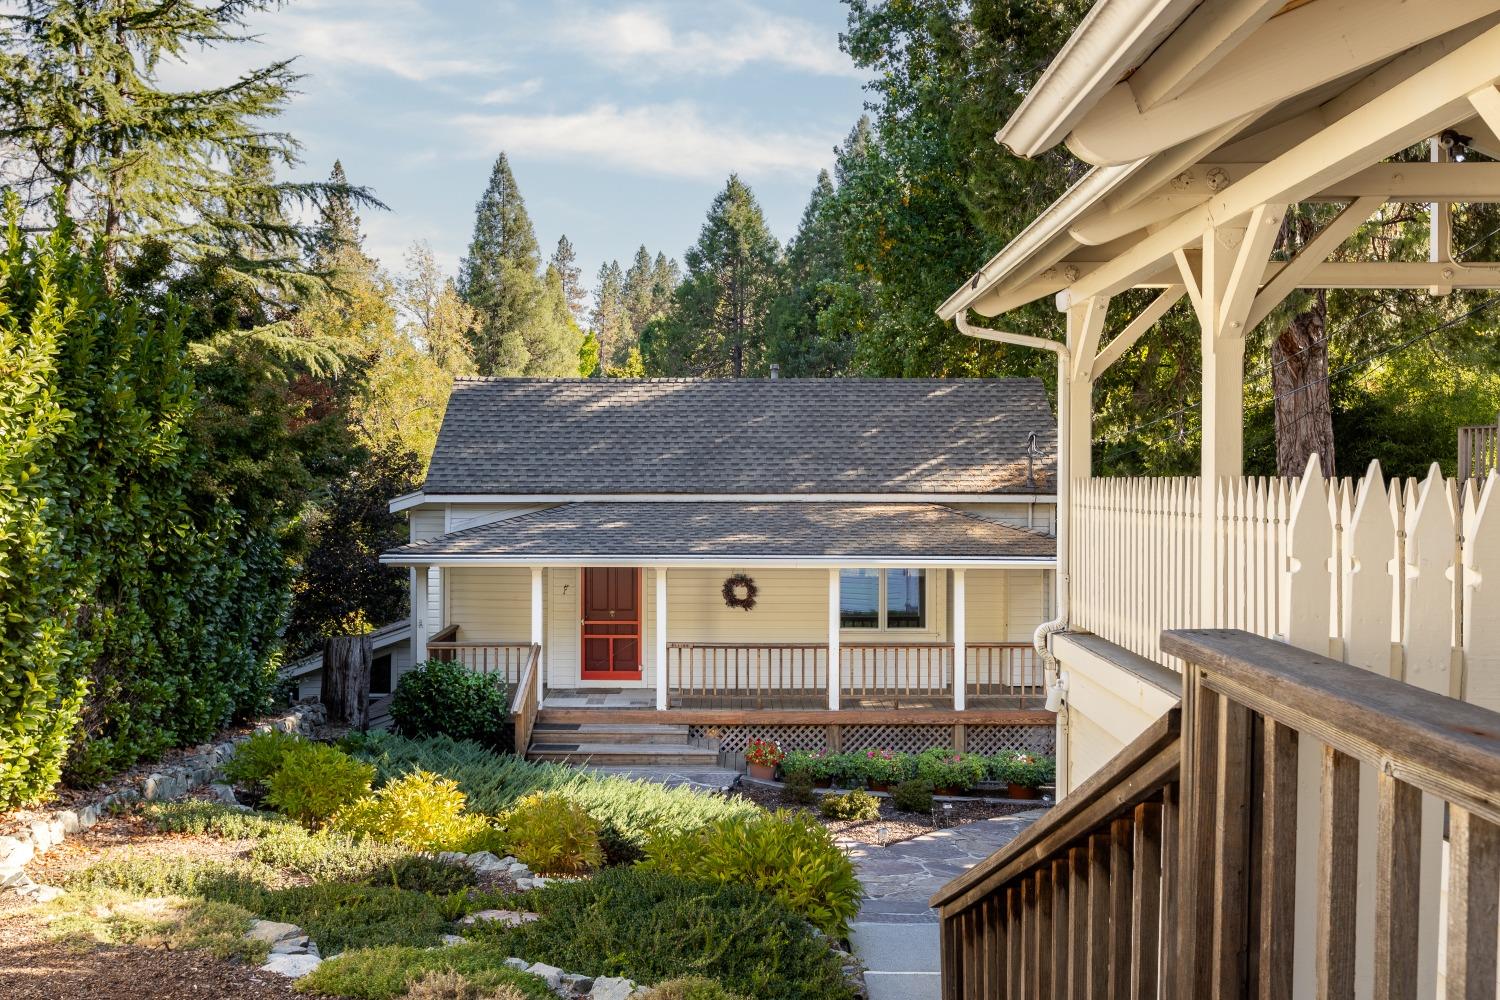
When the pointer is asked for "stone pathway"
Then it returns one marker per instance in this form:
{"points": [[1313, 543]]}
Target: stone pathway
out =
{"points": [[895, 934]]}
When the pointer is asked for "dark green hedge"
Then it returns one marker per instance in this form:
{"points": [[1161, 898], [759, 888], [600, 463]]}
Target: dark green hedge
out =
{"points": [[136, 613]]}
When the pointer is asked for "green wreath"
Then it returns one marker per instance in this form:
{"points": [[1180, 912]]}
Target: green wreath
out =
{"points": [[739, 591]]}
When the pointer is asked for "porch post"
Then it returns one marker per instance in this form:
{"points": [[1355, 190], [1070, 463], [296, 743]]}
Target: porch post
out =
{"points": [[661, 639], [960, 645], [833, 640], [537, 619]]}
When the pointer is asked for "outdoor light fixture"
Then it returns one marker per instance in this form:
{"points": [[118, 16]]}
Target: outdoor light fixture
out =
{"points": [[1055, 694]]}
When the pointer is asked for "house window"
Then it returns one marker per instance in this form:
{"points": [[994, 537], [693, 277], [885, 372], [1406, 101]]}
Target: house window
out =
{"points": [[895, 598], [380, 674]]}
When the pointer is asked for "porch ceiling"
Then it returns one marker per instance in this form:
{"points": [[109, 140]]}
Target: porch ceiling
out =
{"points": [[741, 533]]}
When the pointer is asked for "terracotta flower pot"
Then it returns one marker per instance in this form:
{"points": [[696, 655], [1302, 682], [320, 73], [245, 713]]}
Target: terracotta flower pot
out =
{"points": [[878, 786], [947, 791], [764, 772], [1015, 791]]}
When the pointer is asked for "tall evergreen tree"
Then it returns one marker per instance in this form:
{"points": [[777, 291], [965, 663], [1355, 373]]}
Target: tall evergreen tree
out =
{"points": [[610, 319], [717, 324], [665, 277], [83, 110], [498, 278], [339, 223], [565, 261], [640, 300], [803, 333]]}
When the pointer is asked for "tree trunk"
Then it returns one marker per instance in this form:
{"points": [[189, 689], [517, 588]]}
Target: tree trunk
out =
{"points": [[346, 680], [1299, 379]]}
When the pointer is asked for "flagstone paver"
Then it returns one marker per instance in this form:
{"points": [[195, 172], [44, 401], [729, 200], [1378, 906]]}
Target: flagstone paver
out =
{"points": [[896, 934]]}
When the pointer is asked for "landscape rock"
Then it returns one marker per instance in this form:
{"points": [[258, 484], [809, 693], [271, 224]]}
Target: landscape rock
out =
{"points": [[483, 862], [224, 793], [576, 984], [271, 931], [291, 966], [509, 918], [549, 974], [453, 857], [612, 988], [296, 945], [519, 964], [449, 940]]}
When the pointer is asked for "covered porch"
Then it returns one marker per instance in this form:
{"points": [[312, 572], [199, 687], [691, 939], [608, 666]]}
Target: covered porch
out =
{"points": [[854, 607]]}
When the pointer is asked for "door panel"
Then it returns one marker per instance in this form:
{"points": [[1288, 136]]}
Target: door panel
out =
{"points": [[611, 623]]}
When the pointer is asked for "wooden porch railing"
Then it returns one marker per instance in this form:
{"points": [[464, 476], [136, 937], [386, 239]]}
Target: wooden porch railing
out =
{"points": [[1010, 670], [1173, 871], [503, 659], [526, 699], [896, 670], [1478, 451], [766, 673]]}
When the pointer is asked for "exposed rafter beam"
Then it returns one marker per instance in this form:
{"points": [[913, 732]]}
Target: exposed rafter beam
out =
{"points": [[1249, 268], [1486, 101], [1402, 274], [1315, 253], [1210, 32], [1420, 106], [1289, 55], [1135, 329]]}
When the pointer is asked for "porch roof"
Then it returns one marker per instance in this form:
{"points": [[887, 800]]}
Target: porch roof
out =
{"points": [[917, 534]]}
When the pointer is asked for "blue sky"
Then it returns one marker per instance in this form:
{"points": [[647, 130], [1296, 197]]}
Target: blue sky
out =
{"points": [[622, 120]]}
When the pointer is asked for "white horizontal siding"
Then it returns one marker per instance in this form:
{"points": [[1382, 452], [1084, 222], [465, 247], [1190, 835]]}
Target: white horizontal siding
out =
{"points": [[425, 523], [1035, 516], [489, 604], [461, 516]]}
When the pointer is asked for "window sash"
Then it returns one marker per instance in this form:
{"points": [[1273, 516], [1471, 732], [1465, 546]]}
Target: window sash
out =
{"points": [[881, 600]]}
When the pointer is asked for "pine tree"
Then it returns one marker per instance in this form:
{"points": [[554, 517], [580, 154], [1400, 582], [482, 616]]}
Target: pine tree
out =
{"points": [[665, 277], [804, 333], [553, 339], [716, 326], [610, 319], [82, 109], [588, 355], [640, 302], [565, 261], [339, 224], [499, 276]]}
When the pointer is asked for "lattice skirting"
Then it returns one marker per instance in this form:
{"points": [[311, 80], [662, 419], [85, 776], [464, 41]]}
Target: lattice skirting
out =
{"points": [[910, 739]]}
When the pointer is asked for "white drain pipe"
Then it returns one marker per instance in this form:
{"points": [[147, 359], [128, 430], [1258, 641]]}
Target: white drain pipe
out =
{"points": [[1057, 684]]}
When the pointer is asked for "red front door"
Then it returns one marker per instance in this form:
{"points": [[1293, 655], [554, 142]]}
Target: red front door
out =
{"points": [[611, 624]]}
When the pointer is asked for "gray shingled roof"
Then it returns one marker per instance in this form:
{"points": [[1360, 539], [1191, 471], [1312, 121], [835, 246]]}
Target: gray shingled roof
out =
{"points": [[785, 529], [751, 436]]}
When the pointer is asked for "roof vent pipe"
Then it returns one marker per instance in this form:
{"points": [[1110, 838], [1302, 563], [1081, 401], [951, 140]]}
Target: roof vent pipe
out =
{"points": [[775, 371]]}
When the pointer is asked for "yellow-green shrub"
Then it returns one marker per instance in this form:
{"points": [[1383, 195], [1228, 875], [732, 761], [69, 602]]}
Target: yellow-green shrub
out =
{"points": [[420, 810], [316, 781], [259, 757], [553, 835], [788, 855]]}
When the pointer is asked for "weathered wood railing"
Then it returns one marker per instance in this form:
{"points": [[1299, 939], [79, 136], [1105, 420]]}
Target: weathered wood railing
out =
{"points": [[1008, 670], [502, 659], [893, 671], [526, 698], [1174, 871], [1478, 451], [763, 672]]}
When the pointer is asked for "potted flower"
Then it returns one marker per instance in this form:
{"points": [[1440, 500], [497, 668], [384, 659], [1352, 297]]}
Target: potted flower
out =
{"points": [[950, 772], [1024, 774], [763, 756], [884, 769], [815, 765]]}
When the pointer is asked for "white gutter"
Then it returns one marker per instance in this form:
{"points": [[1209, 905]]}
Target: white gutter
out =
{"points": [[1113, 39], [746, 562], [433, 499], [1041, 638]]}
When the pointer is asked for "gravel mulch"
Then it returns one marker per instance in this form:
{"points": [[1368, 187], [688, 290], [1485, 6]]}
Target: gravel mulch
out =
{"points": [[893, 826]]}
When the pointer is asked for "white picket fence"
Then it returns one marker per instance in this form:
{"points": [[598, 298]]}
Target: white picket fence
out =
{"points": [[1387, 575]]}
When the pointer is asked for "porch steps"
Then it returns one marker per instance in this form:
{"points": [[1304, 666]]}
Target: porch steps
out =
{"points": [[618, 744]]}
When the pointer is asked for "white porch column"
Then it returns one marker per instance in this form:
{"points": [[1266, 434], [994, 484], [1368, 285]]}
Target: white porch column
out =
{"points": [[419, 630], [1085, 325], [960, 643], [661, 639], [538, 620], [833, 640]]}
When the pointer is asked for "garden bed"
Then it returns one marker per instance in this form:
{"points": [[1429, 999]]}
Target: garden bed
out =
{"points": [[893, 825]]}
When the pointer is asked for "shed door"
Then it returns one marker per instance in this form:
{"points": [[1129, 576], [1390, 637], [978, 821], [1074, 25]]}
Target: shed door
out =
{"points": [[611, 624]]}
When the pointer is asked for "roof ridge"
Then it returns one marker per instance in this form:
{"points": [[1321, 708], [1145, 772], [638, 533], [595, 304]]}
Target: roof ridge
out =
{"points": [[741, 380]]}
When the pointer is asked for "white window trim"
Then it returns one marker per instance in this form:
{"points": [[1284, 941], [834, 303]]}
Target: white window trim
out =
{"points": [[926, 630]]}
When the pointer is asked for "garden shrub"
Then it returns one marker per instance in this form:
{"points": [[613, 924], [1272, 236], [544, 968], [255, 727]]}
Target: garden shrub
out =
{"points": [[914, 795], [691, 988], [799, 788], [259, 757], [452, 985], [137, 611], [553, 835], [857, 804], [789, 855], [315, 781], [1019, 768], [384, 973], [416, 873], [653, 927], [419, 810], [627, 811], [104, 916], [883, 767], [325, 856], [817, 766], [950, 769], [445, 698]]}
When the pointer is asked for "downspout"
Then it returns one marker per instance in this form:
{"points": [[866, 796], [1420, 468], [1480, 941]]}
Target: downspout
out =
{"points": [[1057, 684]]}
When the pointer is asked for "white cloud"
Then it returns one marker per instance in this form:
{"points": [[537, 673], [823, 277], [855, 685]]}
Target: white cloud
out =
{"points": [[643, 38], [673, 140], [387, 45], [512, 93]]}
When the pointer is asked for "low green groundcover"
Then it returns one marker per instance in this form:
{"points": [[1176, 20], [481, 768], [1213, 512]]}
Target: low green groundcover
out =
{"points": [[652, 927], [384, 973]]}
